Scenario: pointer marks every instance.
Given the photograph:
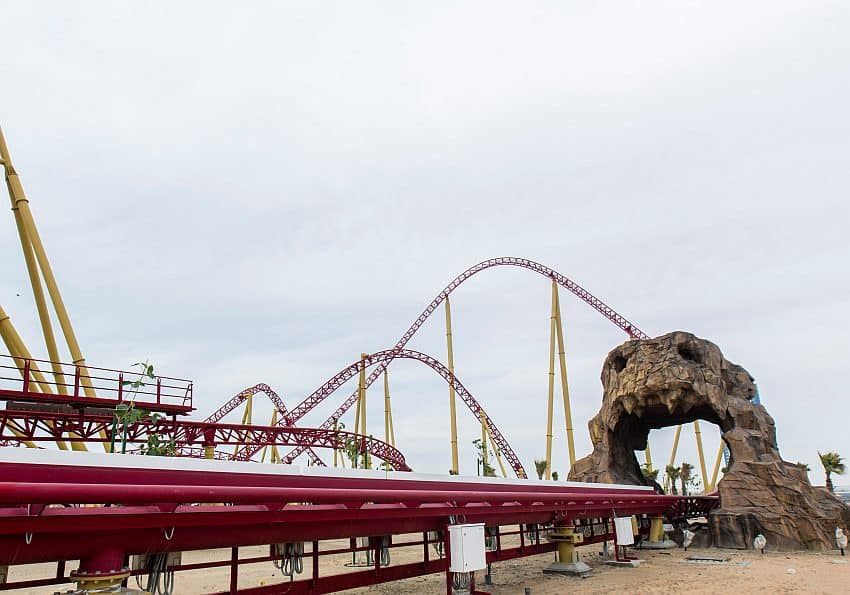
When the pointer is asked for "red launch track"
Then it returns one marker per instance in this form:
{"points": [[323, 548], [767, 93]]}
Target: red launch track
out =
{"points": [[153, 504]]}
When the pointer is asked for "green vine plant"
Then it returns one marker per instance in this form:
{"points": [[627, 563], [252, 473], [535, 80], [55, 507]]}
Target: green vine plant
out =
{"points": [[127, 415], [352, 452], [484, 468]]}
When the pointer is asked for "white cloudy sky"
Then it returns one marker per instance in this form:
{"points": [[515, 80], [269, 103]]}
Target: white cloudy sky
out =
{"points": [[248, 193]]}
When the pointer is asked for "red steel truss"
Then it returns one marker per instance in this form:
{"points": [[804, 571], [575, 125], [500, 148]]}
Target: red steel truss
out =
{"points": [[620, 321], [34, 381], [249, 392], [185, 505], [39, 425], [381, 358]]}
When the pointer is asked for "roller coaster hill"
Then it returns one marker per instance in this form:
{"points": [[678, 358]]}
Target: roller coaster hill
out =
{"points": [[128, 518]]}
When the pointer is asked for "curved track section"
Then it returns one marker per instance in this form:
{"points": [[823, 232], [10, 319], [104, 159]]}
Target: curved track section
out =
{"points": [[382, 358], [244, 395], [620, 321]]}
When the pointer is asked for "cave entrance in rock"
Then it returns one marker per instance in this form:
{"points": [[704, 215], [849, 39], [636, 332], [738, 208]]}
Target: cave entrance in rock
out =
{"points": [[690, 453]]}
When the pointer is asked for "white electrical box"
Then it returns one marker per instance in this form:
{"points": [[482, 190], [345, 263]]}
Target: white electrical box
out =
{"points": [[623, 528], [467, 547]]}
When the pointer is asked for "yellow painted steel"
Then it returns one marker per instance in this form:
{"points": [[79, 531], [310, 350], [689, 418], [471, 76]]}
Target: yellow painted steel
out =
{"points": [[275, 456], [566, 540], [710, 487], [41, 304], [484, 457], [700, 452], [361, 391], [20, 353], [452, 409], [30, 238], [336, 450], [15, 190], [357, 411], [17, 432], [209, 452], [656, 529], [389, 431], [20, 201], [551, 401], [648, 456], [675, 445], [247, 417], [496, 453], [565, 389]]}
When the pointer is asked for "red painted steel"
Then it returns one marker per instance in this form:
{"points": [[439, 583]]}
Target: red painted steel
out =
{"points": [[165, 507], [19, 493], [244, 395], [381, 358], [49, 426], [171, 396], [158, 513], [630, 329]]}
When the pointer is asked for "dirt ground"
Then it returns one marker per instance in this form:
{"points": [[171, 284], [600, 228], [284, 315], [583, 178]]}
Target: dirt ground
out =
{"points": [[661, 572]]}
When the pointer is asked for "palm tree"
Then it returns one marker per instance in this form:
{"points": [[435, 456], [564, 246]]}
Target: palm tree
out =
{"points": [[540, 467], [832, 463], [685, 476], [672, 474], [649, 475]]}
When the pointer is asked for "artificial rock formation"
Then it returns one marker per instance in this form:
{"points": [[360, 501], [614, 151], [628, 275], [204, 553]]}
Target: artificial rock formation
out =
{"points": [[678, 378]]}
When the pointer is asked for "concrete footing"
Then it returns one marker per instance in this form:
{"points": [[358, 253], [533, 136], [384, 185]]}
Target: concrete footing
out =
{"points": [[570, 569], [666, 544]]}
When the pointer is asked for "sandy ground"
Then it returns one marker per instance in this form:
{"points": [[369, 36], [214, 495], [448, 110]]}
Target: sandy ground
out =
{"points": [[661, 572]]}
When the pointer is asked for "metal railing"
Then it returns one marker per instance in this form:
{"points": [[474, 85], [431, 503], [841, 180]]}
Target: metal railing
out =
{"points": [[36, 380]]}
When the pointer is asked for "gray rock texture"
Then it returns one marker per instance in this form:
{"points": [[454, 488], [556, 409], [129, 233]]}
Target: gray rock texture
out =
{"points": [[678, 378]]}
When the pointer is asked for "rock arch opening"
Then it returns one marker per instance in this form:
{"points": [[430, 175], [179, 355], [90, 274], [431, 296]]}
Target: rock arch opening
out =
{"points": [[676, 379]]}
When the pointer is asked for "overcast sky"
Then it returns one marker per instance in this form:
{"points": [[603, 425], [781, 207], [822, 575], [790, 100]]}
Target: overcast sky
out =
{"points": [[259, 192]]}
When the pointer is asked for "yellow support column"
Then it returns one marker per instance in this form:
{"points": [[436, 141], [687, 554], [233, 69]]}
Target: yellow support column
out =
{"points": [[566, 539], [32, 246], [452, 411], [485, 459], [496, 453], [15, 191], [266, 448], [648, 456], [361, 390], [389, 431], [247, 417], [675, 445], [336, 450], [20, 201], [20, 353], [700, 452], [565, 390], [710, 487], [551, 401], [656, 529], [357, 412]]}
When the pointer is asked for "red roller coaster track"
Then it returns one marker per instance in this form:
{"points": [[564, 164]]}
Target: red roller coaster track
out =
{"points": [[381, 358], [244, 395], [620, 321]]}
